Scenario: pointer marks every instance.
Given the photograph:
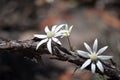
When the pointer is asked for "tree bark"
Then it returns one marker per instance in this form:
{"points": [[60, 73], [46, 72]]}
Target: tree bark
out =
{"points": [[28, 48]]}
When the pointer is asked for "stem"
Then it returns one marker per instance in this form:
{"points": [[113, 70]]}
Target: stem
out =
{"points": [[75, 70], [70, 46]]}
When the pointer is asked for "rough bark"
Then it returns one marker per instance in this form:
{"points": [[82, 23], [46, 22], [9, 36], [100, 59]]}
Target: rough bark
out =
{"points": [[27, 48]]}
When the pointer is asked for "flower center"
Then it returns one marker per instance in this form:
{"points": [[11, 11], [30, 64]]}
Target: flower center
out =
{"points": [[67, 33], [93, 57], [50, 34]]}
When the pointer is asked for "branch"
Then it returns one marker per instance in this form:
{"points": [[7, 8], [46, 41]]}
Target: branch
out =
{"points": [[28, 48]]}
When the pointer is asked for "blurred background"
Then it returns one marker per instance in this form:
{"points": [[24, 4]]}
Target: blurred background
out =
{"points": [[21, 19]]}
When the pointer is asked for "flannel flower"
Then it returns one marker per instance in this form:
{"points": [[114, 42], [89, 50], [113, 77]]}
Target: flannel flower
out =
{"points": [[67, 31], [51, 35], [93, 56]]}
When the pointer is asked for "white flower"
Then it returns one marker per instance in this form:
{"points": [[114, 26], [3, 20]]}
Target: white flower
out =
{"points": [[67, 31], [93, 56], [51, 35]]}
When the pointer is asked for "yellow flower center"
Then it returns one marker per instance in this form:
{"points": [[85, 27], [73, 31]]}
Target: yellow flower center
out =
{"points": [[93, 57], [50, 34], [67, 33]]}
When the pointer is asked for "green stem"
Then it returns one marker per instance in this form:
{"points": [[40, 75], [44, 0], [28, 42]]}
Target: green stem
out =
{"points": [[69, 44]]}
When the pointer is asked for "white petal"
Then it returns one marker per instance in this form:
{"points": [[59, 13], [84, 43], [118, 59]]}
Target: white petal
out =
{"points": [[59, 27], [54, 27], [49, 46], [70, 29], [66, 27], [102, 50], [85, 64], [105, 57], [60, 33], [40, 36], [95, 46], [93, 67], [41, 42], [88, 47], [47, 29], [62, 36], [100, 66], [83, 53], [56, 40]]}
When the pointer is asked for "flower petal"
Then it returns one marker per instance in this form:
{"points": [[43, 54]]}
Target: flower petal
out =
{"points": [[49, 46], [66, 27], [104, 57], [93, 67], [47, 29], [70, 29], [88, 47], [95, 46], [41, 42], [100, 66], [83, 53], [60, 33], [59, 27], [54, 27], [40, 36], [102, 50], [56, 40], [85, 64]]}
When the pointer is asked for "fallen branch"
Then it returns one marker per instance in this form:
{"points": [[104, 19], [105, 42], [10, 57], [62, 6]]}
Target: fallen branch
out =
{"points": [[28, 48]]}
